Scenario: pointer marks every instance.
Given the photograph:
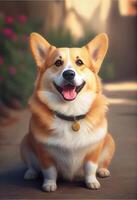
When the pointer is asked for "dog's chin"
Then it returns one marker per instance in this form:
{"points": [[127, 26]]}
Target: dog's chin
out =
{"points": [[69, 91]]}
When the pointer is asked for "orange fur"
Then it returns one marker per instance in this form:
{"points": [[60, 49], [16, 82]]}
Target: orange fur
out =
{"points": [[97, 113], [109, 142], [94, 155]]}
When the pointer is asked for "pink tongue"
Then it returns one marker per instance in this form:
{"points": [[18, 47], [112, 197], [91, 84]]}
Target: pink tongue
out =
{"points": [[69, 93]]}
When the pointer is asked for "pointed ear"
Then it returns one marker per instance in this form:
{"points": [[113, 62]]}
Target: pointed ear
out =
{"points": [[39, 47], [97, 49]]}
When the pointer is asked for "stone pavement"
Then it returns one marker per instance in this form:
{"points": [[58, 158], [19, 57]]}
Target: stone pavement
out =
{"points": [[123, 181]]}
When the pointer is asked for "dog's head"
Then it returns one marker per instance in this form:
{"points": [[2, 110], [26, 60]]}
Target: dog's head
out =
{"points": [[66, 74]]}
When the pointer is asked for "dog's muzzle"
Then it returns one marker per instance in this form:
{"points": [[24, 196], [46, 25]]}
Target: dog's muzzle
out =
{"points": [[69, 91]]}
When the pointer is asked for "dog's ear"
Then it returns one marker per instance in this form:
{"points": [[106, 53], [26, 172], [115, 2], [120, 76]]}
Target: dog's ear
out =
{"points": [[97, 49], [39, 47]]}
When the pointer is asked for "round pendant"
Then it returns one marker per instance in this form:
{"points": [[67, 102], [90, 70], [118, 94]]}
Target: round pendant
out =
{"points": [[76, 126]]}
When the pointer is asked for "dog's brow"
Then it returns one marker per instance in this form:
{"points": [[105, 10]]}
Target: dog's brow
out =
{"points": [[59, 55]]}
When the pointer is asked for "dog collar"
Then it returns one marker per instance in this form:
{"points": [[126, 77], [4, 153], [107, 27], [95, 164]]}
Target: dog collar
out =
{"points": [[72, 118]]}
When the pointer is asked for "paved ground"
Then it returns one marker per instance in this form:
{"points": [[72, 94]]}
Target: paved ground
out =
{"points": [[121, 185]]}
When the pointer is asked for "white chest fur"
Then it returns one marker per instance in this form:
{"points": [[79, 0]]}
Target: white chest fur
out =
{"points": [[69, 148]]}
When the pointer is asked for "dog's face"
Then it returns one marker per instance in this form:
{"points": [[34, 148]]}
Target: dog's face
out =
{"points": [[67, 73]]}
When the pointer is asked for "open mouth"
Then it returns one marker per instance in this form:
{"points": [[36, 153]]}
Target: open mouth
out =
{"points": [[69, 91]]}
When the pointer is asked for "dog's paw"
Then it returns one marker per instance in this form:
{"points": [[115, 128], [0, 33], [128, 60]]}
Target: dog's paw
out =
{"points": [[103, 173], [30, 174], [93, 185], [49, 186]]}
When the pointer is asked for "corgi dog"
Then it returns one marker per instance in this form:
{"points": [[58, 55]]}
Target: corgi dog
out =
{"points": [[68, 133]]}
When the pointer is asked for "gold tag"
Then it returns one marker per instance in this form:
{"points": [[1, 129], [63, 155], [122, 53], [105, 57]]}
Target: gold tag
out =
{"points": [[76, 126]]}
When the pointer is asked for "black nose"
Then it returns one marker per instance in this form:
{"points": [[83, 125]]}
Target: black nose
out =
{"points": [[69, 75]]}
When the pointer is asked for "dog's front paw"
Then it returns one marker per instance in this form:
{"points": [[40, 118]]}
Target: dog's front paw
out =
{"points": [[93, 185], [30, 174], [49, 186]]}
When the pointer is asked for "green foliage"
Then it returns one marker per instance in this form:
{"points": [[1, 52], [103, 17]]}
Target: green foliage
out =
{"points": [[62, 38], [17, 69], [107, 72]]}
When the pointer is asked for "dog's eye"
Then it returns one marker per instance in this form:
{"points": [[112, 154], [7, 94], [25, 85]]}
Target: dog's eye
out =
{"points": [[58, 63], [79, 62]]}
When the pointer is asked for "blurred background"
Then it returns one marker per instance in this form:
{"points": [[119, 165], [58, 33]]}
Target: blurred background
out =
{"points": [[63, 23], [68, 23]]}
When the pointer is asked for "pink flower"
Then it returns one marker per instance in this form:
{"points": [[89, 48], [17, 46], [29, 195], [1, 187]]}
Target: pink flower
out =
{"points": [[1, 78], [22, 18], [12, 70], [1, 60], [7, 32], [9, 20]]}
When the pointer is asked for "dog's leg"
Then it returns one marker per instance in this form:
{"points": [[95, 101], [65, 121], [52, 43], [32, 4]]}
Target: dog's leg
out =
{"points": [[48, 168], [90, 168], [31, 174], [90, 175], [50, 176], [106, 156], [30, 160], [32, 164]]}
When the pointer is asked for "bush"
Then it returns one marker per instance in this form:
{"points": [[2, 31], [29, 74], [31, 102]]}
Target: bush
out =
{"points": [[17, 69]]}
